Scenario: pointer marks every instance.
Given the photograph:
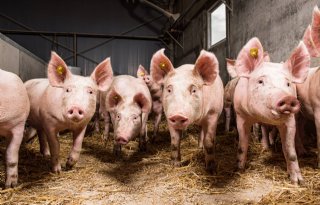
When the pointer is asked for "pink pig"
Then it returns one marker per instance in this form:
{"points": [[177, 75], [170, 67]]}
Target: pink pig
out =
{"points": [[14, 110], [191, 94], [266, 93], [64, 101], [308, 92], [156, 93], [128, 103]]}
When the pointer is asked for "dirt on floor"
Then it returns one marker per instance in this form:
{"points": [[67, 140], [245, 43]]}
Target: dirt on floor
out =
{"points": [[149, 178]]}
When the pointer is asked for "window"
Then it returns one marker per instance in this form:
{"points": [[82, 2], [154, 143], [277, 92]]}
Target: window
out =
{"points": [[217, 24]]}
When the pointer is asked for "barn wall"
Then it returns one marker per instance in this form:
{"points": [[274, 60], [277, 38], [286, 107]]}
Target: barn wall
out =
{"points": [[16, 59], [94, 17], [278, 24]]}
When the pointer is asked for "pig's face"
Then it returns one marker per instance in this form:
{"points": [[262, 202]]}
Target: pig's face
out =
{"points": [[270, 87], [182, 96], [143, 74], [127, 123], [79, 93], [126, 114], [79, 99], [271, 90]]}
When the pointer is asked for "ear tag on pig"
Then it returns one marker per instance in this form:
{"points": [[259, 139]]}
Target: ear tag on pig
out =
{"points": [[254, 52], [162, 66], [60, 69], [141, 74]]}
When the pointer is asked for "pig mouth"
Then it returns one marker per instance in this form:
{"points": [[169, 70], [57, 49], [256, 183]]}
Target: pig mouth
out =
{"points": [[278, 115]]}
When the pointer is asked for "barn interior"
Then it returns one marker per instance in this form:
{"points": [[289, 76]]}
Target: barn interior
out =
{"points": [[84, 33]]}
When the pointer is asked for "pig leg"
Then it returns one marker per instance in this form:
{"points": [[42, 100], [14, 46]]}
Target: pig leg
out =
{"points": [[255, 129], [74, 155], [273, 135], [175, 145], [54, 146], [200, 139], [156, 125], [287, 134], [264, 139], [317, 122], [142, 140], [12, 156], [209, 142], [244, 131], [44, 148], [107, 120], [29, 134], [228, 119], [299, 136]]}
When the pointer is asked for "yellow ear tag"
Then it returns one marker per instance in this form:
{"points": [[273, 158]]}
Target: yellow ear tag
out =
{"points": [[254, 52], [60, 69], [162, 65], [115, 97], [141, 74]]}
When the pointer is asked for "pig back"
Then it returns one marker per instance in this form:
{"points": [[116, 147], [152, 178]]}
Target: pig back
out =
{"points": [[229, 91], [14, 101]]}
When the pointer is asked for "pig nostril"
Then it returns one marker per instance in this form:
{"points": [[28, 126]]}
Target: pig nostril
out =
{"points": [[183, 121], [293, 104], [173, 121], [80, 112], [281, 103], [70, 112]]}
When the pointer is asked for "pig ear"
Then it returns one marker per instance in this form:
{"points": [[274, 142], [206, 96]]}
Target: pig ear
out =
{"points": [[231, 67], [308, 41], [250, 57], [103, 74], [299, 63], [207, 67], [315, 33], [143, 102], [141, 72], [113, 99], [58, 71], [160, 66], [266, 57]]}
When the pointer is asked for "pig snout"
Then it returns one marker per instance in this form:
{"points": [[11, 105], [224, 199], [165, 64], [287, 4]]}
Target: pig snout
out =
{"points": [[288, 105], [178, 121], [75, 114], [122, 140]]}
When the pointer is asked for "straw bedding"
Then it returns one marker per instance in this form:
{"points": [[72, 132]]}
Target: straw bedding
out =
{"points": [[149, 178]]}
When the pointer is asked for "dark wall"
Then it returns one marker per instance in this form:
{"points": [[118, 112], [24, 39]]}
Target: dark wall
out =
{"points": [[83, 16], [278, 24], [194, 34]]}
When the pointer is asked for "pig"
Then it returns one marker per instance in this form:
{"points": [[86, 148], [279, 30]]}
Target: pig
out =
{"points": [[14, 110], [229, 91], [156, 93], [64, 101], [308, 92], [127, 103], [191, 94], [266, 93]]}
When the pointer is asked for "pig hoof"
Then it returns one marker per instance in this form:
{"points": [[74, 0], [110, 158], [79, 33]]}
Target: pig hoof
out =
{"points": [[70, 163], [211, 167], [56, 169], [176, 163], [11, 184]]}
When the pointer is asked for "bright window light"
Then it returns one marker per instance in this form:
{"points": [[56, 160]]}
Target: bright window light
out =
{"points": [[218, 24]]}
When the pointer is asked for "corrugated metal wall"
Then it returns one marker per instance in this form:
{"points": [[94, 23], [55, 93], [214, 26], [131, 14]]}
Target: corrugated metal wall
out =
{"points": [[83, 16]]}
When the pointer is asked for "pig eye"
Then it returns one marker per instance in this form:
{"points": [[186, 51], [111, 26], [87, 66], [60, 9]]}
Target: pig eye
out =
{"points": [[288, 84], [90, 91], [68, 90], [135, 117], [169, 89], [193, 89], [118, 117], [260, 82]]}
